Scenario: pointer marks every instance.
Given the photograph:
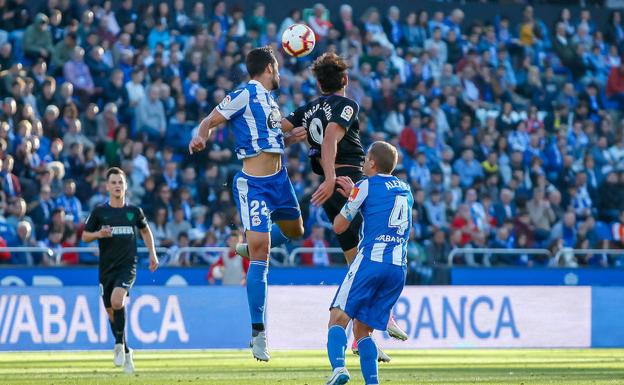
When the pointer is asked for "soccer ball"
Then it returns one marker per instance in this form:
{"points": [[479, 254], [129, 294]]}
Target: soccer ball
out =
{"points": [[298, 40]]}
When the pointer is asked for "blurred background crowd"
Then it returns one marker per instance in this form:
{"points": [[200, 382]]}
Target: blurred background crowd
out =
{"points": [[510, 133]]}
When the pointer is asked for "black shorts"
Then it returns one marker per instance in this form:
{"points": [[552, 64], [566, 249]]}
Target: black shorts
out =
{"points": [[350, 238], [120, 277]]}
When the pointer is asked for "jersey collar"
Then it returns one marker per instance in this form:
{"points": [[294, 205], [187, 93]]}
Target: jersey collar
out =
{"points": [[258, 84]]}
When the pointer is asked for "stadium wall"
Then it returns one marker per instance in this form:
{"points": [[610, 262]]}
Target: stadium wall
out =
{"points": [[58, 318]]}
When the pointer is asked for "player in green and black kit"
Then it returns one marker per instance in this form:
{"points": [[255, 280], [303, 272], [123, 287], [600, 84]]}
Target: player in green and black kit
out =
{"points": [[114, 225]]}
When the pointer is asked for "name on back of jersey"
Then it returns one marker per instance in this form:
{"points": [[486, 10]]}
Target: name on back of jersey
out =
{"points": [[396, 184], [309, 113]]}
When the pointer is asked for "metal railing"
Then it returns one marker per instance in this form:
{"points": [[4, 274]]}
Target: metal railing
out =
{"points": [[490, 251], [175, 258], [568, 253], [289, 259], [58, 253], [29, 249], [300, 250]]}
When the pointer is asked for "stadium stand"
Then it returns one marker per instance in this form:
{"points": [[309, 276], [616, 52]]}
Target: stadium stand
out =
{"points": [[510, 132]]}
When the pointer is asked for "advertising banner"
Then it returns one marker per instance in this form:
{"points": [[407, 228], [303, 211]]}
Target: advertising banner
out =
{"points": [[156, 318], [447, 317], [37, 318]]}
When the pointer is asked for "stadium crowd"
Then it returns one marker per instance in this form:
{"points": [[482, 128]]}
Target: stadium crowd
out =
{"points": [[510, 134]]}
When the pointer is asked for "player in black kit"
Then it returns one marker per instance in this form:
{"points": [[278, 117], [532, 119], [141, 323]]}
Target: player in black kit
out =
{"points": [[333, 129], [114, 225]]}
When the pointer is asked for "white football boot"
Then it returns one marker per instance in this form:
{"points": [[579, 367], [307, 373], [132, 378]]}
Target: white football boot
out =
{"points": [[259, 348], [129, 364], [118, 360], [395, 331], [339, 376]]}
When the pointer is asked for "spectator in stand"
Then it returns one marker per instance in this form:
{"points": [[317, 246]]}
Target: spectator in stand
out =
{"points": [[63, 51], [232, 269], [69, 202], [150, 116], [468, 168], [617, 231], [615, 85], [316, 240], [566, 230], [37, 40], [78, 74], [504, 209], [5, 256], [11, 185]]}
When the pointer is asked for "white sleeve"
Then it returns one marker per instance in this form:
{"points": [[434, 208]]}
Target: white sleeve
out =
{"points": [[234, 102], [355, 201]]}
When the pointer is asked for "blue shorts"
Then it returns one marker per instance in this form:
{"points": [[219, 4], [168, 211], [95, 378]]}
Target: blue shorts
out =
{"points": [[262, 200], [370, 290]]}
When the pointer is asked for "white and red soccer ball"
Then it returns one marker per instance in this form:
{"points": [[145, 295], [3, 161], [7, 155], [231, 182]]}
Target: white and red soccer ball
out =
{"points": [[298, 40]]}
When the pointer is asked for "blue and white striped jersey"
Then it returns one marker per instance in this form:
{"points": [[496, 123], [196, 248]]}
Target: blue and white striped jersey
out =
{"points": [[385, 203], [255, 118]]}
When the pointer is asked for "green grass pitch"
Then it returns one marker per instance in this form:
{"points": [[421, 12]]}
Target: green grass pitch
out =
{"points": [[231, 367]]}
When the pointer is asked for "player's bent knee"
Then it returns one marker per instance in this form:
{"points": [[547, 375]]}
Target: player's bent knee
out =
{"points": [[117, 303], [338, 317]]}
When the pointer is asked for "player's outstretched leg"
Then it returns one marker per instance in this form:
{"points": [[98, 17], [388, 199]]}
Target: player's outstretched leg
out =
{"points": [[368, 353], [336, 347], [257, 292], [122, 351]]}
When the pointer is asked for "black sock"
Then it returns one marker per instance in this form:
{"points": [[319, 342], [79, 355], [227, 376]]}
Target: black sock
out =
{"points": [[119, 324], [256, 329]]}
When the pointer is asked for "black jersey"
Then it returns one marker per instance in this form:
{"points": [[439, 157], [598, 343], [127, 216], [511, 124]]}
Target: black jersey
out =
{"points": [[316, 115], [120, 250]]}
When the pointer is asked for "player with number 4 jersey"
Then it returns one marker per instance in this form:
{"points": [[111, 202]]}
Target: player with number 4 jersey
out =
{"points": [[377, 275]]}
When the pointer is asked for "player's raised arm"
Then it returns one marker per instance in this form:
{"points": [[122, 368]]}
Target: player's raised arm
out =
{"points": [[198, 143], [232, 105]]}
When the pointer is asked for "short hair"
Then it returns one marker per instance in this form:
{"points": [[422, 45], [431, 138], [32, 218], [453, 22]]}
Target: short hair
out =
{"points": [[115, 171], [385, 156], [258, 59], [329, 69]]}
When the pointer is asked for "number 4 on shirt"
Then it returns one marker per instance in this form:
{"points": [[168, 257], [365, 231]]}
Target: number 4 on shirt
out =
{"points": [[399, 216]]}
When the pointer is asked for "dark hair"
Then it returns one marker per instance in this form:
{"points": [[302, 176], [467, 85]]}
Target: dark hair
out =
{"points": [[385, 156], [329, 69], [258, 59], [115, 171]]}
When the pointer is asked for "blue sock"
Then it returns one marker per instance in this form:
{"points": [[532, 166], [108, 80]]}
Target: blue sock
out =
{"points": [[277, 237], [368, 360], [336, 346], [257, 290]]}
